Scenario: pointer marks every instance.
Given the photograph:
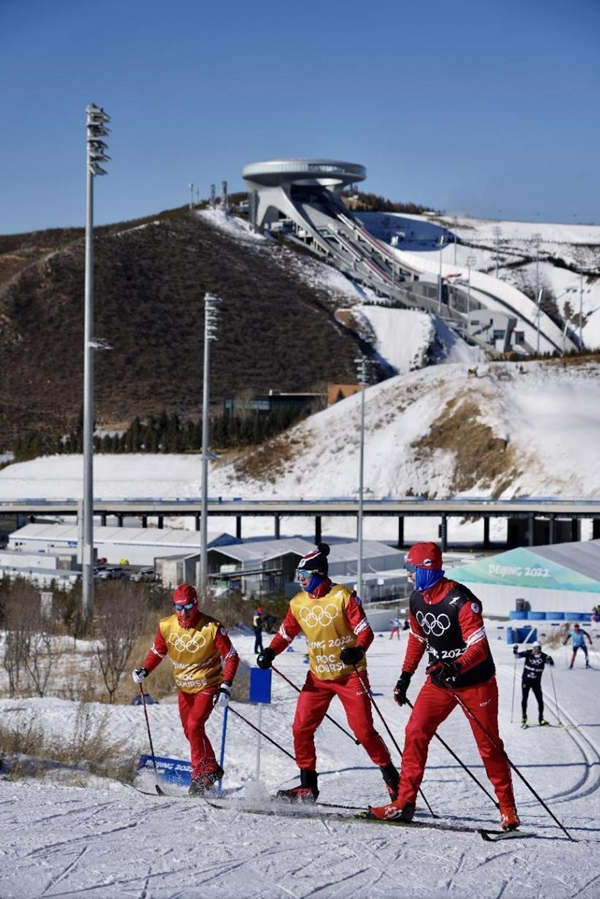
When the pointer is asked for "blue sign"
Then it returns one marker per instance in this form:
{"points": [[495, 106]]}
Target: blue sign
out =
{"points": [[260, 685], [174, 771]]}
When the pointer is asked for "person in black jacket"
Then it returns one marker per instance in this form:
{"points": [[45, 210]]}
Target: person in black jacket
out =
{"points": [[535, 662]]}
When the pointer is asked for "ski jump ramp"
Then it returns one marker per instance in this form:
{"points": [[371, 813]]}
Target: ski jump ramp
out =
{"points": [[302, 198]]}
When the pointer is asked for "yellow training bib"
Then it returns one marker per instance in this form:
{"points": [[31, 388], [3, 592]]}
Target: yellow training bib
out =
{"points": [[196, 659], [327, 631]]}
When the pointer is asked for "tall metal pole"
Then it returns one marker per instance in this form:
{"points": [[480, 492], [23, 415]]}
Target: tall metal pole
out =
{"points": [[87, 571], [210, 302], [580, 310], [95, 153], [471, 260], [362, 378], [440, 277]]}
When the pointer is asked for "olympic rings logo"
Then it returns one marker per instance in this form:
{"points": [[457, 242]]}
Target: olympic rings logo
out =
{"points": [[187, 642], [433, 625], [322, 616]]}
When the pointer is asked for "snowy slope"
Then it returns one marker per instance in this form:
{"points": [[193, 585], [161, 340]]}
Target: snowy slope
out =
{"points": [[109, 841]]}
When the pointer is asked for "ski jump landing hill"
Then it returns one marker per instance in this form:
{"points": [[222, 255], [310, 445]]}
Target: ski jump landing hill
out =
{"points": [[302, 197]]}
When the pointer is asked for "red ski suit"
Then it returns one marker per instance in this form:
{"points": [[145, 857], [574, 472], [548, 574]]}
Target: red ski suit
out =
{"points": [[476, 687], [331, 619], [203, 658]]}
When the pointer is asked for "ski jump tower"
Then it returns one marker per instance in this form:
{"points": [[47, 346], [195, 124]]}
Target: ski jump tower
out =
{"points": [[301, 197]]}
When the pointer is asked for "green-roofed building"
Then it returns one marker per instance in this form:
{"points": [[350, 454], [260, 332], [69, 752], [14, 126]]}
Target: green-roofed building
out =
{"points": [[559, 577]]}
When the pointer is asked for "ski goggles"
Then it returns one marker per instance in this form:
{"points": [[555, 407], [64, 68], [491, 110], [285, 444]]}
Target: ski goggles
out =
{"points": [[410, 568], [304, 574], [186, 608]]}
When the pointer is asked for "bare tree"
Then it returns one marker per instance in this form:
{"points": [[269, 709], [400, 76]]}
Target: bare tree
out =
{"points": [[121, 611]]}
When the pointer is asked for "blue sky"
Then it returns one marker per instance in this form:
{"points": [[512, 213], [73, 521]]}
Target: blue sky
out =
{"points": [[470, 106]]}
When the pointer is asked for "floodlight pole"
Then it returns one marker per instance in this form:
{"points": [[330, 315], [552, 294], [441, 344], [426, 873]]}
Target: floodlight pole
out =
{"points": [[210, 333], [580, 311], [96, 128], [362, 380], [442, 244]]}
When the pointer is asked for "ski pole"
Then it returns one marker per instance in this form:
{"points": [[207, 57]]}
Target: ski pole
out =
{"points": [[158, 789], [385, 724], [222, 754], [474, 717], [460, 762], [262, 733], [554, 691], [329, 718]]}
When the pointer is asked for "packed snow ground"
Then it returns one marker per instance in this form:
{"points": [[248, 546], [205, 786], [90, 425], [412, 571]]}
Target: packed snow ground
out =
{"points": [[109, 841]]}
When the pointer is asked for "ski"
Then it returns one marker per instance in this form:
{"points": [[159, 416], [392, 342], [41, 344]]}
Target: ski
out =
{"points": [[493, 836], [312, 812]]}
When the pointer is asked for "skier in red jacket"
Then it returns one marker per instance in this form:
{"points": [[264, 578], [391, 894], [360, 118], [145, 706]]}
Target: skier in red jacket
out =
{"points": [[204, 665], [338, 636], [446, 620]]}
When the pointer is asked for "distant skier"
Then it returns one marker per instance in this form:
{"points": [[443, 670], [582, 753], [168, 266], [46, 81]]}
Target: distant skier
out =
{"points": [[204, 665], [257, 626], [446, 621], [337, 637], [395, 631], [535, 662], [577, 635]]}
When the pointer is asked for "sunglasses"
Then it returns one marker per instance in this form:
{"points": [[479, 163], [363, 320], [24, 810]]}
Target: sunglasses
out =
{"points": [[186, 608]]}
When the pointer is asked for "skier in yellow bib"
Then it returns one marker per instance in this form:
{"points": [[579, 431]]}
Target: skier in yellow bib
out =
{"points": [[337, 634]]}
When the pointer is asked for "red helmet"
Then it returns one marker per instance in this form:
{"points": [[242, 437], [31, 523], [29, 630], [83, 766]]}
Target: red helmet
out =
{"points": [[183, 594], [424, 555]]}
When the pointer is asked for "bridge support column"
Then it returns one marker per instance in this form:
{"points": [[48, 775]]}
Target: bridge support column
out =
{"points": [[400, 531], [197, 520], [551, 529], [144, 521], [596, 529], [119, 519], [277, 527], [238, 526], [317, 529], [103, 519], [486, 532], [575, 530], [160, 522], [444, 533], [530, 529]]}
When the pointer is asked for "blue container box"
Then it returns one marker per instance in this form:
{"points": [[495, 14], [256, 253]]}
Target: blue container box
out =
{"points": [[526, 635], [510, 635], [536, 616], [555, 616], [517, 615]]}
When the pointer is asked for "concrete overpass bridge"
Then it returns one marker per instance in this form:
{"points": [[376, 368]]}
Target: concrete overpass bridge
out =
{"points": [[530, 521]]}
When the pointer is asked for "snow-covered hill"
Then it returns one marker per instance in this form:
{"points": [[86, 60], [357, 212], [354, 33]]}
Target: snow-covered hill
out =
{"points": [[515, 429]]}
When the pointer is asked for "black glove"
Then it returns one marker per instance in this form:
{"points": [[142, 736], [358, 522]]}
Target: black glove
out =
{"points": [[550, 660], [401, 687], [444, 674], [265, 658], [351, 655], [138, 675], [515, 648]]}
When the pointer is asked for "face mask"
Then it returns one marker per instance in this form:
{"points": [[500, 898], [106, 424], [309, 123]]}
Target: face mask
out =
{"points": [[427, 577]]}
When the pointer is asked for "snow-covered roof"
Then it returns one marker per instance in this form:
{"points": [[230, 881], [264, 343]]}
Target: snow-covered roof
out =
{"points": [[69, 535]]}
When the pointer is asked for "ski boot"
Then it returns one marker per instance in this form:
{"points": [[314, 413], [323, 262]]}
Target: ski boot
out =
{"points": [[524, 722], [391, 779], [202, 783], [509, 820], [543, 723], [393, 811], [306, 792]]}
